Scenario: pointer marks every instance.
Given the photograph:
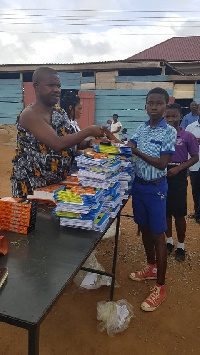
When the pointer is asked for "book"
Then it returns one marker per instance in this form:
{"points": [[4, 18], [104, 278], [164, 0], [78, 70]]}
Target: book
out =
{"points": [[3, 275]]}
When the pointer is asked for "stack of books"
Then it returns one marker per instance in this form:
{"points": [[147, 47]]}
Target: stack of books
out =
{"points": [[17, 215], [104, 181]]}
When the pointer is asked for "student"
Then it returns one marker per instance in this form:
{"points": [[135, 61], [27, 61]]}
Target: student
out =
{"points": [[109, 122], [153, 144], [194, 128], [116, 126], [46, 140], [177, 180], [71, 103], [124, 135], [191, 117]]}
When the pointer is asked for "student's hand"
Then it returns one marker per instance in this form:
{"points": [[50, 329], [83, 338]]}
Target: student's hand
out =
{"points": [[132, 145], [173, 171]]}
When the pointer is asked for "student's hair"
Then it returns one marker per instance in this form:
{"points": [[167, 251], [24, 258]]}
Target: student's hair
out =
{"points": [[175, 106], [160, 91], [125, 130], [70, 98], [115, 114], [39, 72]]}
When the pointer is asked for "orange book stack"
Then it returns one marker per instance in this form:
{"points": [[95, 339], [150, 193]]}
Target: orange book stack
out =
{"points": [[17, 215]]}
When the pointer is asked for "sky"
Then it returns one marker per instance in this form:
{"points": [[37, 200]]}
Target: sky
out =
{"points": [[49, 32]]}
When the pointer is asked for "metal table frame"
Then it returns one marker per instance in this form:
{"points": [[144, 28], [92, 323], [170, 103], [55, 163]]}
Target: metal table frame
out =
{"points": [[33, 327]]}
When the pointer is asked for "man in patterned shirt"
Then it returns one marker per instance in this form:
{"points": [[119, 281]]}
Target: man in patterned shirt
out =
{"points": [[153, 144], [46, 139]]}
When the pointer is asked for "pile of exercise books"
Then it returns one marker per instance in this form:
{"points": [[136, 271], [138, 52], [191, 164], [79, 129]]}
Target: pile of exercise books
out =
{"points": [[104, 182], [17, 215]]}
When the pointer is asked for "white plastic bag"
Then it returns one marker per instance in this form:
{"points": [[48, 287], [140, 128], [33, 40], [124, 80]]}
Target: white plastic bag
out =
{"points": [[111, 231], [114, 316], [90, 280]]}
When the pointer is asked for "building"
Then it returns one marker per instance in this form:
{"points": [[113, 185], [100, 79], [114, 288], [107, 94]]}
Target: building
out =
{"points": [[113, 87]]}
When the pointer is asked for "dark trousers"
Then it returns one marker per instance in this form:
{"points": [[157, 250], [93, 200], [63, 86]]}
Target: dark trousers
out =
{"points": [[195, 182]]}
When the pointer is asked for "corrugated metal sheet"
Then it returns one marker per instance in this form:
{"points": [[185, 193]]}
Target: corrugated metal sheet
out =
{"points": [[11, 100]]}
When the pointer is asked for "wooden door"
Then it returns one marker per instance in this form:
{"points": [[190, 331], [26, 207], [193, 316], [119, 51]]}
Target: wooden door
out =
{"points": [[29, 93], [88, 111]]}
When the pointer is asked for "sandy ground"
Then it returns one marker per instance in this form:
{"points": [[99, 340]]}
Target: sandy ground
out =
{"points": [[71, 326]]}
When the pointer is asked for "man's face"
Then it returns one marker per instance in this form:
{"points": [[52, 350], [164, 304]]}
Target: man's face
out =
{"points": [[194, 108], [48, 89], [155, 106], [115, 118], [173, 117]]}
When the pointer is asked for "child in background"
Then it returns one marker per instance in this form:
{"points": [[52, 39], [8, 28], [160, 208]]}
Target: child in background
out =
{"points": [[109, 122], [177, 180], [124, 135]]}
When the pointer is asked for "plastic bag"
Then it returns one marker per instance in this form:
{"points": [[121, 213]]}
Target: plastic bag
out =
{"points": [[111, 231], [90, 280], [114, 316]]}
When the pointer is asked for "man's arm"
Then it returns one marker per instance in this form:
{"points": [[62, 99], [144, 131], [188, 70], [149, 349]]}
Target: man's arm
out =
{"points": [[37, 125]]}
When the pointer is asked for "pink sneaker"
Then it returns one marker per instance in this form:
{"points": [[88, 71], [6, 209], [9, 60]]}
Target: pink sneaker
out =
{"points": [[155, 298], [148, 273]]}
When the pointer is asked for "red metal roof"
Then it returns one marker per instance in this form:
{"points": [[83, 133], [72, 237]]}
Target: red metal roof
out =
{"points": [[176, 49]]}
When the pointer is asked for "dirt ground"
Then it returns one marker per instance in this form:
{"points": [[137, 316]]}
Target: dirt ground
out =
{"points": [[71, 326]]}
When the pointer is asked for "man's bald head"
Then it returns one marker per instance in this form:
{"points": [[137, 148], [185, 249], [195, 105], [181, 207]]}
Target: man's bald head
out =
{"points": [[41, 72]]}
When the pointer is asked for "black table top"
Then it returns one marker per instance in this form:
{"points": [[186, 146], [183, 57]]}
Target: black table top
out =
{"points": [[40, 264]]}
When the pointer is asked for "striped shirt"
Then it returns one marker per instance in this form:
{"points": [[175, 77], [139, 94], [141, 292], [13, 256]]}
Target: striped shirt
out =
{"points": [[154, 142]]}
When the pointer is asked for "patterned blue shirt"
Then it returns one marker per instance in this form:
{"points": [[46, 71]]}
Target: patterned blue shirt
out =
{"points": [[154, 142]]}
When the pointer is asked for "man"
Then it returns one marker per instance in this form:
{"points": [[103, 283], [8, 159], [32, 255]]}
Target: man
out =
{"points": [[194, 128], [46, 140], [153, 144], [116, 126], [191, 116]]}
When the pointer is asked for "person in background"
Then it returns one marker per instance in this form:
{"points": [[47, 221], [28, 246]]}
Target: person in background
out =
{"points": [[177, 180], [46, 139], [115, 126], [109, 122], [124, 135], [191, 116], [194, 128], [153, 144], [71, 103]]}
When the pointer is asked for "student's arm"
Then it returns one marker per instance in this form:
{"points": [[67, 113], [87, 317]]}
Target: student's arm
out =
{"points": [[37, 125], [193, 150], [159, 163], [187, 164]]}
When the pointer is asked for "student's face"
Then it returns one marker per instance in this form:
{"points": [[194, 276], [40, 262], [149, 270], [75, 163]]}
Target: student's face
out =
{"points": [[115, 118], [48, 90], [173, 117], [155, 106], [194, 108]]}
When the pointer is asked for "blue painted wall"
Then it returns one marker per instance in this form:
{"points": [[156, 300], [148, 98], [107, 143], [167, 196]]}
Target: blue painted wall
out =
{"points": [[128, 104], [197, 93], [11, 100], [70, 80]]}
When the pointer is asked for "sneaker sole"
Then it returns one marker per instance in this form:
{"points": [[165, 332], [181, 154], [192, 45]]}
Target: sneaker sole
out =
{"points": [[151, 309], [144, 278]]}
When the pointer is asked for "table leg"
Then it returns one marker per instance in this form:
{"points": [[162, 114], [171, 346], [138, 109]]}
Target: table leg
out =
{"points": [[33, 340], [115, 257]]}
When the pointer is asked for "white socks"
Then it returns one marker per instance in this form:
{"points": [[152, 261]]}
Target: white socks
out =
{"points": [[181, 245], [170, 240]]}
